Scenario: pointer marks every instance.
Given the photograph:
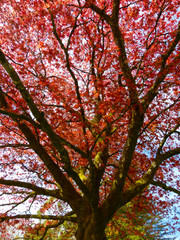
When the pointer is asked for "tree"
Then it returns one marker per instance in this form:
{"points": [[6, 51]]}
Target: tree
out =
{"points": [[89, 108]]}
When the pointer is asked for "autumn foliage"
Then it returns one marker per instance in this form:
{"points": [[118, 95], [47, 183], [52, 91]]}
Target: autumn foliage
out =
{"points": [[89, 100]]}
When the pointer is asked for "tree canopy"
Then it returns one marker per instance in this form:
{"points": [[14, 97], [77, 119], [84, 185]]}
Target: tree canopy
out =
{"points": [[89, 100]]}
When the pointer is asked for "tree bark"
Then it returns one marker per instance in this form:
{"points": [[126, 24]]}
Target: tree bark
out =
{"points": [[91, 228]]}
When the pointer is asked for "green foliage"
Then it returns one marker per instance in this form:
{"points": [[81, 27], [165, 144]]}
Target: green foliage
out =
{"points": [[131, 223]]}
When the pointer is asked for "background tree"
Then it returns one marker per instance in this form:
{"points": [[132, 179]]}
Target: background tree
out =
{"points": [[89, 108]]}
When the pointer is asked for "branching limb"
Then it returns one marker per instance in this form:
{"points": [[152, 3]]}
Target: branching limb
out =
{"points": [[22, 65], [166, 136], [155, 27], [49, 226], [162, 111], [39, 175], [68, 65], [163, 156], [123, 61], [54, 169], [43, 124], [100, 12], [20, 117], [164, 70], [19, 85], [35, 124], [171, 48], [16, 204], [67, 217]]}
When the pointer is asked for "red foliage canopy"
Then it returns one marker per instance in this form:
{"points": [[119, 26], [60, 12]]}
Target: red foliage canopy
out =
{"points": [[88, 105]]}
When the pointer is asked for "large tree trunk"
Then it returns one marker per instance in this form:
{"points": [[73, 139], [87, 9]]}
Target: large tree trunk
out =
{"points": [[91, 228]]}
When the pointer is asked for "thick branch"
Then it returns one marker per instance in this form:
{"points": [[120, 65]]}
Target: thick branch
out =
{"points": [[35, 124], [168, 154], [39, 190], [118, 198], [3, 102], [165, 187], [100, 12], [171, 48], [47, 217], [68, 189], [19, 85], [115, 14], [19, 116], [15, 146], [53, 168], [148, 176], [114, 198], [119, 41]]}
